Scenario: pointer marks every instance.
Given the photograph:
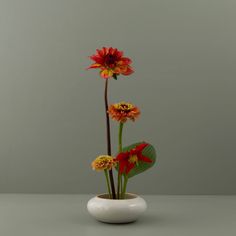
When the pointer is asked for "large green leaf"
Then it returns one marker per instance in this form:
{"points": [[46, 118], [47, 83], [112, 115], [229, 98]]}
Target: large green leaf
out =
{"points": [[149, 152]]}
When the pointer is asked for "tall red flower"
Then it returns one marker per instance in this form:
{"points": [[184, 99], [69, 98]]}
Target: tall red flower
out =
{"points": [[128, 160], [111, 63]]}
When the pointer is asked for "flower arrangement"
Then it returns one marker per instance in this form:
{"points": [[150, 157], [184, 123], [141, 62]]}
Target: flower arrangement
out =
{"points": [[129, 160]]}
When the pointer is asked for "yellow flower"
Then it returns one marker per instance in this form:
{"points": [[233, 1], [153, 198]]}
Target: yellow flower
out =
{"points": [[122, 111], [103, 162]]}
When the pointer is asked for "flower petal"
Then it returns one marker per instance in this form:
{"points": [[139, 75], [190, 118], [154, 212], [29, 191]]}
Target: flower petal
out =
{"points": [[141, 146], [128, 71], [95, 65], [100, 52], [144, 159], [122, 156], [119, 54], [97, 59], [129, 167], [111, 51], [125, 60], [122, 166], [105, 51]]}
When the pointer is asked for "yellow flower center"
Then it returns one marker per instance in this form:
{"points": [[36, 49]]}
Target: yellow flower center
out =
{"points": [[124, 106], [133, 159]]}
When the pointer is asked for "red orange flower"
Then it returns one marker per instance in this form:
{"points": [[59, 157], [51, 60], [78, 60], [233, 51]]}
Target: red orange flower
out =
{"points": [[111, 63], [122, 111], [128, 160]]}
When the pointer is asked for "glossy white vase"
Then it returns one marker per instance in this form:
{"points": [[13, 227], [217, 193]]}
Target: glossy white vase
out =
{"points": [[116, 211]]}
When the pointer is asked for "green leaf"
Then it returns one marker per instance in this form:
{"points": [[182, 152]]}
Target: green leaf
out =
{"points": [[115, 76], [149, 152]]}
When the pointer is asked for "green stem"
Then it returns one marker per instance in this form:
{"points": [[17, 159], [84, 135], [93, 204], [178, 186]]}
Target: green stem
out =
{"points": [[108, 184], [119, 182], [124, 187], [120, 136]]}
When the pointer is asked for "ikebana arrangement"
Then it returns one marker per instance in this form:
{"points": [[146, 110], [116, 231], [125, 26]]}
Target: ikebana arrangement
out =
{"points": [[127, 161]]}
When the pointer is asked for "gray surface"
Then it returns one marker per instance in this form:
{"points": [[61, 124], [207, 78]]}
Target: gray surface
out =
{"points": [[49, 215], [52, 117]]}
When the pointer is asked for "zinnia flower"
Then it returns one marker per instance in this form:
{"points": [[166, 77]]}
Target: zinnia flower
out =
{"points": [[103, 162], [111, 63], [129, 159], [122, 111]]}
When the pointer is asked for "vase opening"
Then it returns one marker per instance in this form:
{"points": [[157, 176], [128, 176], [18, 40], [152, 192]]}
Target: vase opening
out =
{"points": [[127, 196]]}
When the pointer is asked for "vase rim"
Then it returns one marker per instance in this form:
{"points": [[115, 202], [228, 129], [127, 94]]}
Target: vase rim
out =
{"points": [[128, 196]]}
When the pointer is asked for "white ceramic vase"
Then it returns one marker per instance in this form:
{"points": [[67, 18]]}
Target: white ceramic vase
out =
{"points": [[116, 211]]}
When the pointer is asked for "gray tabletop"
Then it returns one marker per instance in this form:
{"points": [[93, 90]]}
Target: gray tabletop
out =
{"points": [[33, 215]]}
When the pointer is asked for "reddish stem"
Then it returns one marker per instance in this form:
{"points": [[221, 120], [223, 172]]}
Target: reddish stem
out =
{"points": [[109, 140]]}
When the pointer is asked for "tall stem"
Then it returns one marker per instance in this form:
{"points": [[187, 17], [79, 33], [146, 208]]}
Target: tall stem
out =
{"points": [[108, 184], [124, 187], [119, 182], [109, 140]]}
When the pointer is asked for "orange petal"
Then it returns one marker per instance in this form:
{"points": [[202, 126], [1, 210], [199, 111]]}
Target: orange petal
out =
{"points": [[95, 65], [128, 71], [126, 60]]}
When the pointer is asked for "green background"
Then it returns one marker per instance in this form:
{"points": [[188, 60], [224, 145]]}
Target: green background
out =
{"points": [[52, 112]]}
